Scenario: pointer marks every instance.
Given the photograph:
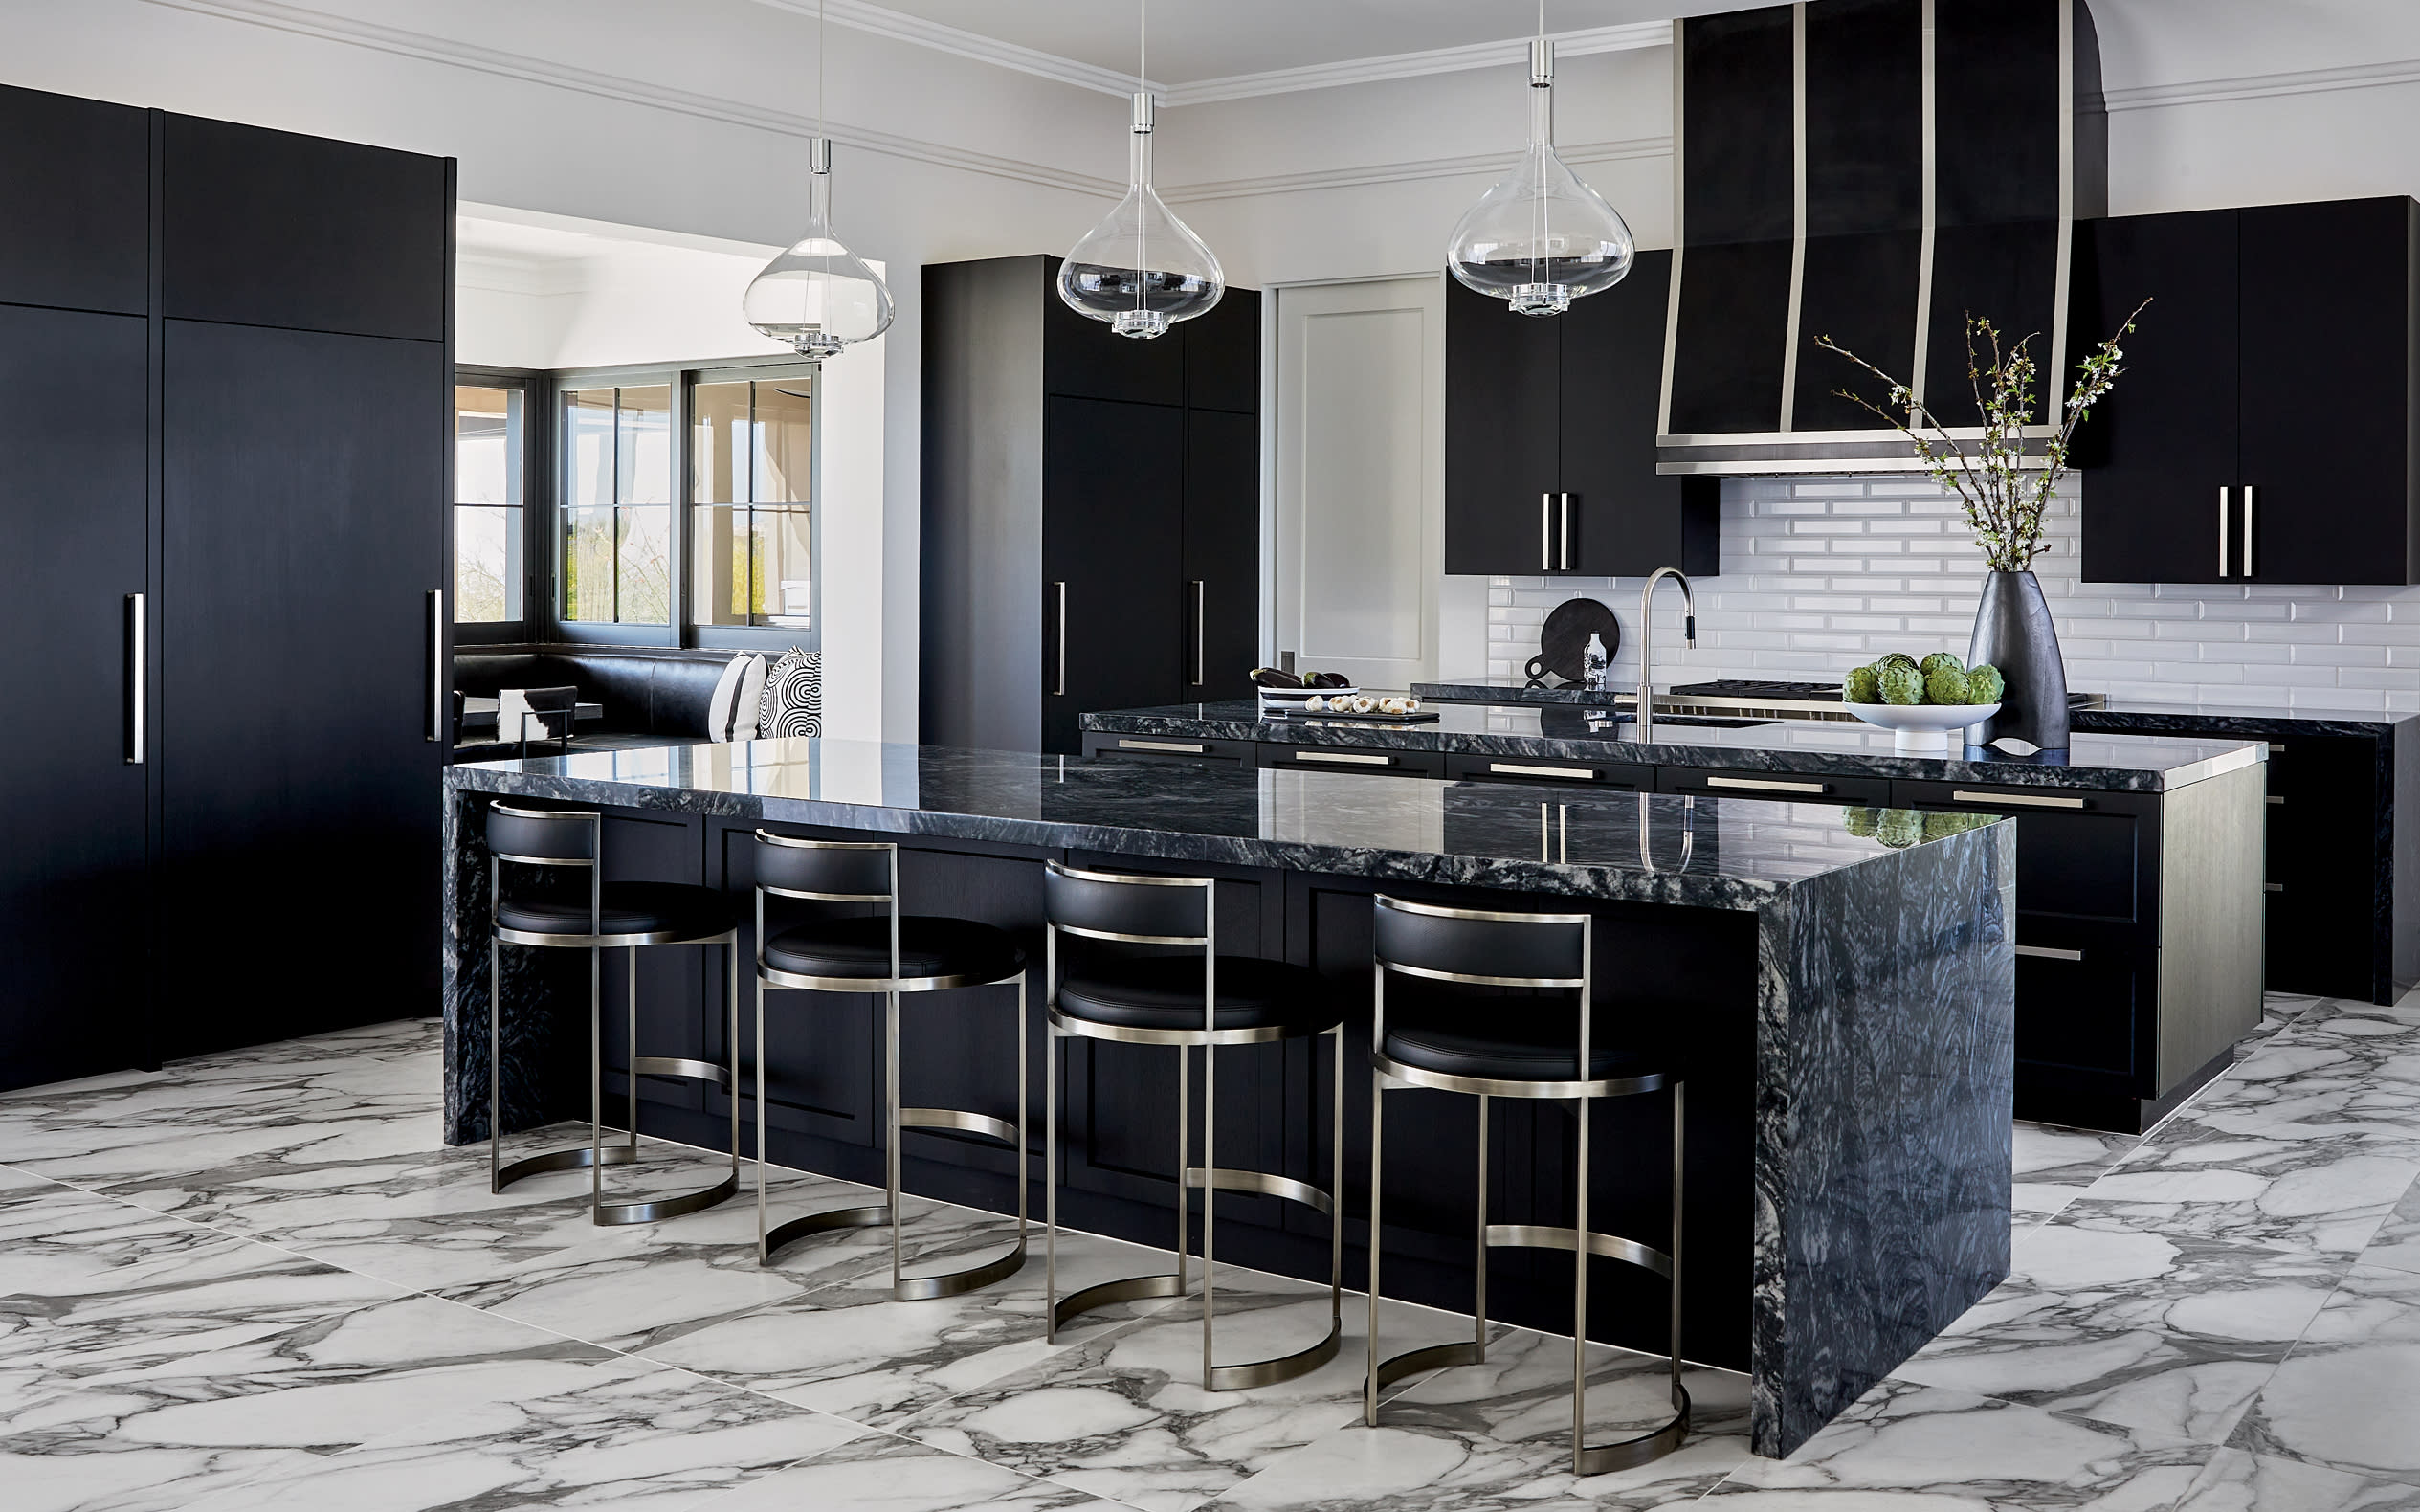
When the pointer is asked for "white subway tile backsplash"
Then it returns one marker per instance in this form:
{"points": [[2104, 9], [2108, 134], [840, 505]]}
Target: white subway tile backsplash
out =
{"points": [[1827, 574]]}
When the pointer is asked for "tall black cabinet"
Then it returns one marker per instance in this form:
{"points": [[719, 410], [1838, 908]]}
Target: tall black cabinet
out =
{"points": [[225, 357], [1090, 512]]}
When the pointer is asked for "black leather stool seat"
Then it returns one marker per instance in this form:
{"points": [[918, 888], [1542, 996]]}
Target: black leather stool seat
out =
{"points": [[1516, 1039], [630, 908], [928, 948], [1165, 992]]}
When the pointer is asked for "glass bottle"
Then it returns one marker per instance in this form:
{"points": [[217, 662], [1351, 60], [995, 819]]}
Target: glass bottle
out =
{"points": [[1594, 664]]}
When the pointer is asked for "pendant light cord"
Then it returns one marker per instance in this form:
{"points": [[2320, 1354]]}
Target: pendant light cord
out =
{"points": [[1143, 78], [1538, 260]]}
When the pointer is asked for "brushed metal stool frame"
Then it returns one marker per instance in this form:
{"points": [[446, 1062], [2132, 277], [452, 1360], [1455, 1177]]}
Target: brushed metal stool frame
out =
{"points": [[595, 1157], [1580, 1240], [771, 1241], [1210, 1177]]}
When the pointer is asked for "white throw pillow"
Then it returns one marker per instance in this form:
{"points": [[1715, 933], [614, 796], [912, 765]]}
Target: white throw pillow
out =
{"points": [[732, 713]]}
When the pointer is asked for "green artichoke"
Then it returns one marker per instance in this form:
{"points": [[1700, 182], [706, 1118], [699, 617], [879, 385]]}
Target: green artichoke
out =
{"points": [[1940, 660], [1859, 821], [1898, 828], [1946, 684], [1937, 825], [1901, 683], [1864, 686], [1896, 659], [1983, 684]]}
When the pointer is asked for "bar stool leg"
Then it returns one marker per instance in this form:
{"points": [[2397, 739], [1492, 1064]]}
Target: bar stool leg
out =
{"points": [[1183, 1159], [495, 1071], [890, 1081], [1025, 1147], [731, 1041], [1580, 1305], [1478, 1305], [1049, 1183], [764, 1257], [629, 1052], [1336, 1183], [1209, 1192], [1377, 1177]]}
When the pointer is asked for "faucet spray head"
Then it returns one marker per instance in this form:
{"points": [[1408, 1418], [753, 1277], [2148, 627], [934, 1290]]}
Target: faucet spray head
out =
{"points": [[1689, 631]]}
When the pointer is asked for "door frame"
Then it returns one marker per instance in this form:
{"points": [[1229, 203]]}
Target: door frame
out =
{"points": [[1432, 486]]}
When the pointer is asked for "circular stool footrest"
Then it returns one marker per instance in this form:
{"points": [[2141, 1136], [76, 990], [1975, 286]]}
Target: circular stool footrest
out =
{"points": [[679, 1066], [1607, 1246], [1262, 1184], [654, 1209], [1594, 1459], [1283, 1368], [1133, 1288], [958, 1122], [579, 1159], [950, 1283], [1434, 1357], [783, 1235]]}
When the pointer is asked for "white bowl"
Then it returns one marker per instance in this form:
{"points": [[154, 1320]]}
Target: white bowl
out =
{"points": [[1923, 729]]}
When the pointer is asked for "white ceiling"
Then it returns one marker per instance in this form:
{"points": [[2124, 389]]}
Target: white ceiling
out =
{"points": [[1192, 40]]}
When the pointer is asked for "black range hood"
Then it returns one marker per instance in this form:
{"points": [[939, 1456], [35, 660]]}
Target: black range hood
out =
{"points": [[1869, 170]]}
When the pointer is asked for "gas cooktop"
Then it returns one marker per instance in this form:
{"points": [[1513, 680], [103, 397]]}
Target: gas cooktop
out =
{"points": [[1787, 700], [1758, 688]]}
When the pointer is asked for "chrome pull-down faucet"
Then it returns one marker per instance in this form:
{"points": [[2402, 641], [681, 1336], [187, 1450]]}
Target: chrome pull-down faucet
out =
{"points": [[1646, 714]]}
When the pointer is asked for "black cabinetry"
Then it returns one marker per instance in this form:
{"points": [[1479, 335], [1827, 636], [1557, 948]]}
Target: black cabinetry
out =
{"points": [[223, 521], [1550, 438], [2219, 457], [1091, 511]]}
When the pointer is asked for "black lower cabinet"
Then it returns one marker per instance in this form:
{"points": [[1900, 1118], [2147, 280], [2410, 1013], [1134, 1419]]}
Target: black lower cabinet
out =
{"points": [[298, 818], [75, 887]]}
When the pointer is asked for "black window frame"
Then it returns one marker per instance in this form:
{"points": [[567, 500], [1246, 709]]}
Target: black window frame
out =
{"points": [[536, 406]]}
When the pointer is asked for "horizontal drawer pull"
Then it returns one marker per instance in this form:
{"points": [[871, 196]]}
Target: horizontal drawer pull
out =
{"points": [[2049, 952], [1181, 747], [2276, 747], [1347, 757], [1516, 769], [2031, 799], [1763, 785], [2276, 797], [2273, 887]]}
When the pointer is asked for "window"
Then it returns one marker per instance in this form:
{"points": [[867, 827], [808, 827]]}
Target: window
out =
{"points": [[488, 472], [752, 469], [617, 505]]}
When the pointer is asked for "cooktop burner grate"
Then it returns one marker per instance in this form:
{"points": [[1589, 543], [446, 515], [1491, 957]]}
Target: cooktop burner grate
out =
{"points": [[1757, 688]]}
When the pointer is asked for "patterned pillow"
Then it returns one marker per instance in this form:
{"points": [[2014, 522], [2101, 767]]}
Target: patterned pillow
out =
{"points": [[794, 695]]}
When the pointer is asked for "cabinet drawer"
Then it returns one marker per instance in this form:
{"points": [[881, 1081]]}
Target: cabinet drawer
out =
{"points": [[1781, 787], [2086, 999], [2080, 854], [1169, 747], [1552, 771], [1329, 757]]}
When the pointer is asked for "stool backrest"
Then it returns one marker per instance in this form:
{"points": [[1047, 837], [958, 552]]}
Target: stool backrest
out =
{"points": [[1481, 948], [543, 836], [826, 870], [1137, 910]]}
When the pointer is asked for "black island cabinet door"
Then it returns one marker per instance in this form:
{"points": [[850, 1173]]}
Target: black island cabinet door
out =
{"points": [[2160, 448], [303, 528], [74, 896], [1502, 430], [1114, 631]]}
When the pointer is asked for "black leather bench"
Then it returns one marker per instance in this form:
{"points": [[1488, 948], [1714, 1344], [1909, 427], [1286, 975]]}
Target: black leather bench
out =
{"points": [[649, 697]]}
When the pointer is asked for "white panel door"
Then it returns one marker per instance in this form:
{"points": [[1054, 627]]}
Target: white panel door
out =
{"points": [[1360, 497]]}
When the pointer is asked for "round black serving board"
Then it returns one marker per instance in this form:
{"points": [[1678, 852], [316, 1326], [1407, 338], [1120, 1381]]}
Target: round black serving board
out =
{"points": [[1563, 645]]}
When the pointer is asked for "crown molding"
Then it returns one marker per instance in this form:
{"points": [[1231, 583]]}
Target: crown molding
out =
{"points": [[344, 30], [2262, 86], [1512, 51], [1476, 163], [860, 16]]}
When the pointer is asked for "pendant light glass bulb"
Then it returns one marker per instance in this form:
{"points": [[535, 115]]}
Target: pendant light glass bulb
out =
{"points": [[1142, 270], [818, 296], [1540, 237]]}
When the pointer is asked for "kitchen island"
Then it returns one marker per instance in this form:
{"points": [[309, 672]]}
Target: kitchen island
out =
{"points": [[2139, 856], [1846, 1006]]}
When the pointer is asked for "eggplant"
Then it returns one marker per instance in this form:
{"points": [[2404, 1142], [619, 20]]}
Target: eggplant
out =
{"points": [[1274, 678], [1328, 679]]}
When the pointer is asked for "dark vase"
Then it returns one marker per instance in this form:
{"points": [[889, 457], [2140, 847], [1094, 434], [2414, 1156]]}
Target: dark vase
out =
{"points": [[2013, 632]]}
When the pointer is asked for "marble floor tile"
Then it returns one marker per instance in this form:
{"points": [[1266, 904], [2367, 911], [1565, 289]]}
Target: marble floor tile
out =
{"points": [[2347, 1396], [2236, 1480], [844, 1347], [1495, 1437], [2330, 1195], [2397, 1246], [1123, 1416], [2171, 1337], [642, 1437], [2055, 1165], [879, 1473], [1926, 1449]]}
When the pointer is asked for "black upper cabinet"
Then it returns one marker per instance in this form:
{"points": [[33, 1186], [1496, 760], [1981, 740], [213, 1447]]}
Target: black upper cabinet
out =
{"points": [[1550, 438], [75, 176], [1222, 355], [268, 228], [2221, 457], [1083, 358]]}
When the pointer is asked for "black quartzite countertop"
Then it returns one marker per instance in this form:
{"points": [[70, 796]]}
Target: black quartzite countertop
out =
{"points": [[1559, 731]]}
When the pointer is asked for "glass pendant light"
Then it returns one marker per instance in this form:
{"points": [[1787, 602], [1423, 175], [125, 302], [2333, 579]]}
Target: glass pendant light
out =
{"points": [[818, 296], [1142, 270], [1540, 237]]}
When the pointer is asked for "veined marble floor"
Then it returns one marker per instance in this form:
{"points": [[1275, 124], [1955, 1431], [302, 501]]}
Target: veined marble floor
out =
{"points": [[258, 1279]]}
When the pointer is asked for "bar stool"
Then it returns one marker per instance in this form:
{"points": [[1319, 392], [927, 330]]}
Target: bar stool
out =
{"points": [[1490, 1047], [889, 953], [614, 914], [1181, 1001]]}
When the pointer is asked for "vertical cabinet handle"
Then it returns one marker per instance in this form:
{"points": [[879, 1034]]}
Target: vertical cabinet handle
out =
{"points": [[1200, 626], [1545, 532], [136, 677], [2248, 492], [2225, 523], [1058, 687], [1565, 499], [436, 665]]}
